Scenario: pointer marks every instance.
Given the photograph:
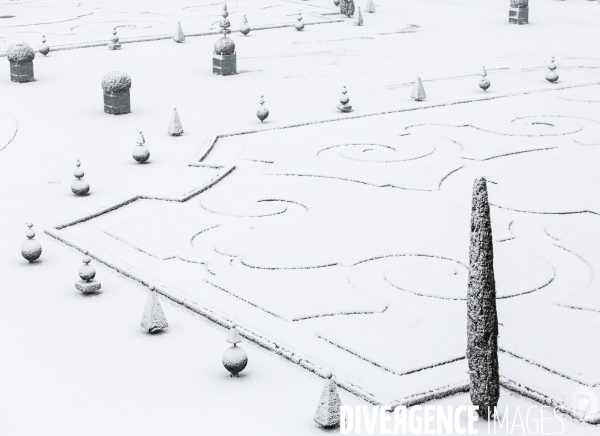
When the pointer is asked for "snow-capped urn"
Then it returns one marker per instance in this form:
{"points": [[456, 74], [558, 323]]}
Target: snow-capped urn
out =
{"points": [[299, 25], [552, 75], [178, 36], [153, 318], [20, 56], [484, 83], [116, 85], [370, 7], [175, 128], [344, 100], [358, 20], [328, 410], [245, 29], [31, 249], [87, 273], [262, 112], [114, 42], [43, 48], [418, 92], [235, 358], [79, 185], [140, 152]]}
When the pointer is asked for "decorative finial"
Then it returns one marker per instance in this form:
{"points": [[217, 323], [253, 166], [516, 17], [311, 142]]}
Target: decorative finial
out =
{"points": [[552, 75], [79, 186], [262, 112], [484, 83], [299, 25], [140, 152], [31, 249], [344, 100]]}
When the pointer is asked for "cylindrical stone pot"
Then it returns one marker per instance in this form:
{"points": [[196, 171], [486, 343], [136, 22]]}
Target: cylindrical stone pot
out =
{"points": [[21, 57], [115, 86]]}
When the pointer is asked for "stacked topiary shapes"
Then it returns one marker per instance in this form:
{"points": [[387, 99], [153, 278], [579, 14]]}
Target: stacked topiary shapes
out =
{"points": [[235, 358], [87, 273], [44, 48], [140, 152], [224, 57], [79, 186], [21, 57], [116, 87], [31, 249], [262, 112]]}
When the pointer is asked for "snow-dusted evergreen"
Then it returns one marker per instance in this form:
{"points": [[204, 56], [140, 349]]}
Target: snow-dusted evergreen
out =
{"points": [[418, 92], [79, 186], [43, 48], [358, 19], [178, 36], [328, 409], [370, 7], [140, 152], [31, 249], [262, 112], [484, 83], [552, 75], [175, 128], [245, 29], [482, 322], [153, 318], [234, 358], [114, 42], [344, 105], [299, 25], [350, 8]]}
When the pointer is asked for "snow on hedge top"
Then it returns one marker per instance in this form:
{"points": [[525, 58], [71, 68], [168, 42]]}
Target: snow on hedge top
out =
{"points": [[20, 53], [116, 81]]}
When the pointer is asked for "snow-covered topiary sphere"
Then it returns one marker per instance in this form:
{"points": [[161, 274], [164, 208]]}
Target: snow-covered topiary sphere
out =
{"points": [[262, 112], [116, 81], [552, 75], [31, 249], [20, 53], [79, 185], [299, 25], [235, 359], [86, 271], [44, 49], [140, 152], [224, 46]]}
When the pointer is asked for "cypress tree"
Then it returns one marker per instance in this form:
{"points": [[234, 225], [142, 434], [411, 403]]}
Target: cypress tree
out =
{"points": [[482, 323]]}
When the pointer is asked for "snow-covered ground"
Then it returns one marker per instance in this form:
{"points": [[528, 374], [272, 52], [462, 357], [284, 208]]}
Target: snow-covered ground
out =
{"points": [[336, 241]]}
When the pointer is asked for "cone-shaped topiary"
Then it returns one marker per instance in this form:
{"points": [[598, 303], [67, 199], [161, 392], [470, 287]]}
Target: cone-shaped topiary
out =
{"points": [[484, 83], [552, 75], [358, 20], [178, 36], [299, 25], [175, 128], [328, 410], [153, 318], [482, 322], [370, 7], [262, 112], [31, 249], [44, 49], [418, 92]]}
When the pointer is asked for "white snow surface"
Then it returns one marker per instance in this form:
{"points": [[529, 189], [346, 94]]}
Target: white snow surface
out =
{"points": [[339, 241]]}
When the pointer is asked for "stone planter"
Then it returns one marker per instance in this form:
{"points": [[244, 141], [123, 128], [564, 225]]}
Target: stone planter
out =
{"points": [[115, 86], [224, 65], [117, 103], [21, 57], [519, 12], [21, 72]]}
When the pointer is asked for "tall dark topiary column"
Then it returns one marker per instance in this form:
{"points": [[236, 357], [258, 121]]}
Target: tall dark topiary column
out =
{"points": [[21, 57], [482, 323], [224, 57]]}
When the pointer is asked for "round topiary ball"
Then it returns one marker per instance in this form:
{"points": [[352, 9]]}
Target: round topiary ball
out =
{"points": [[224, 46], [235, 359], [20, 53], [116, 81]]}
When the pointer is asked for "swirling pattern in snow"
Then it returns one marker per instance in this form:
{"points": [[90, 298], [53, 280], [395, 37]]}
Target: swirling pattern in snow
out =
{"points": [[375, 153]]}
